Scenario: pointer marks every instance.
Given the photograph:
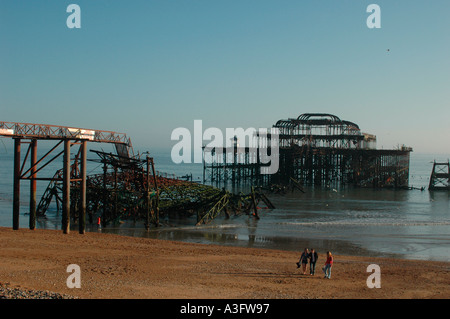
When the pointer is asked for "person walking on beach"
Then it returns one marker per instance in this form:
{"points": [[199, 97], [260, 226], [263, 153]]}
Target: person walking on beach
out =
{"points": [[303, 260], [312, 261], [328, 264]]}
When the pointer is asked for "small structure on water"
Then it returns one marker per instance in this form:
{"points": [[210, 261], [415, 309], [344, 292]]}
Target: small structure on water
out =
{"points": [[440, 176]]}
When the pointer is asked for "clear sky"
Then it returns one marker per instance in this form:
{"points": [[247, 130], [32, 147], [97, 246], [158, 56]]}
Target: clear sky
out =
{"points": [[146, 67]]}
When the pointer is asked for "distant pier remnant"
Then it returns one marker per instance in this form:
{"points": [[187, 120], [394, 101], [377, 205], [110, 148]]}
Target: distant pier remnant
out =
{"points": [[440, 176], [315, 149]]}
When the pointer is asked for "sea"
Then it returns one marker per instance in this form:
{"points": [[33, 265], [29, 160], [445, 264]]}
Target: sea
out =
{"points": [[409, 224]]}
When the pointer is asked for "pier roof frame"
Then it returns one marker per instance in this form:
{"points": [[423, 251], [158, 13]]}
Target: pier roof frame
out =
{"points": [[316, 119]]}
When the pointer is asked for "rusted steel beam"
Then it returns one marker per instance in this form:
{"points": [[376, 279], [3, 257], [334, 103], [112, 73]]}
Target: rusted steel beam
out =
{"points": [[43, 157], [16, 194], [44, 131], [82, 214], [66, 188], [32, 223], [147, 198], [155, 180]]}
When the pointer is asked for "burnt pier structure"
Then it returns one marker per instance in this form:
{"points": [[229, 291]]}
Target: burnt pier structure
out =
{"points": [[128, 188], [314, 149], [73, 172]]}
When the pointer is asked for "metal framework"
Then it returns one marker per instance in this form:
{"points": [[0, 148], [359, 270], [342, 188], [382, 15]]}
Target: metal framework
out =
{"points": [[129, 186], [26, 133], [135, 190], [440, 176], [315, 149], [319, 130], [54, 132]]}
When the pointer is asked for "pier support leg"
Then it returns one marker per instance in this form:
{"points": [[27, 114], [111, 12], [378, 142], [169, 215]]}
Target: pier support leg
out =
{"points": [[255, 208], [105, 199], [16, 195], [157, 194], [66, 189], [82, 214], [33, 159], [148, 202]]}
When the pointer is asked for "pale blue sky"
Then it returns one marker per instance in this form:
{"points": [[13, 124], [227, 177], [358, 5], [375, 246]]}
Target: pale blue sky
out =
{"points": [[147, 67]]}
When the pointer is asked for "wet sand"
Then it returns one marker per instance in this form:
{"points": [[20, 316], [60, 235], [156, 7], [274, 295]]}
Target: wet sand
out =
{"points": [[114, 266]]}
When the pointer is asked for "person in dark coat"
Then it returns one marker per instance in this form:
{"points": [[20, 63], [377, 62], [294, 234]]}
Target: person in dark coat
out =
{"points": [[312, 261], [303, 260]]}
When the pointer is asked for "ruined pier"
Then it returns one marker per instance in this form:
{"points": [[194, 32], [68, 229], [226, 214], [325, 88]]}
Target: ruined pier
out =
{"points": [[29, 134], [315, 149], [128, 187]]}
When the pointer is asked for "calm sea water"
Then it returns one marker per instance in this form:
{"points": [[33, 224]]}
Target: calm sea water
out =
{"points": [[410, 224]]}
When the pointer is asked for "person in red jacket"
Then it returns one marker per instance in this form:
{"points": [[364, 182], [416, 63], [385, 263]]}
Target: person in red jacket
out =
{"points": [[328, 264]]}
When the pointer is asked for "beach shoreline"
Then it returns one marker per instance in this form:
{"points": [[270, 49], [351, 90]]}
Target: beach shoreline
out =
{"points": [[120, 267]]}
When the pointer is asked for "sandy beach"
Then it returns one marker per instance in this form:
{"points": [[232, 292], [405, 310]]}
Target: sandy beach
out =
{"points": [[113, 266]]}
